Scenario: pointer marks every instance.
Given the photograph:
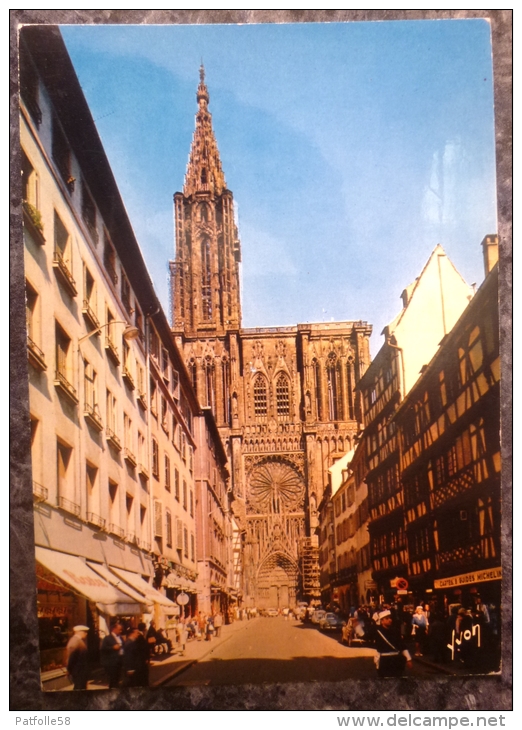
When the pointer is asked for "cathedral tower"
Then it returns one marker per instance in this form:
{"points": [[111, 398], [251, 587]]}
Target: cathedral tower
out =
{"points": [[205, 274], [284, 398]]}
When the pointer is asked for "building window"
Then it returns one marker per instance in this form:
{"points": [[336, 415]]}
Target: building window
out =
{"points": [[283, 396], [191, 503], [260, 397], [93, 495], [176, 484], [138, 319], [335, 401], [129, 505], [192, 548], [153, 397], [208, 369], [65, 476], [168, 528], [29, 87], [154, 346], [155, 458], [89, 212], [167, 473], [185, 542], [158, 519], [184, 495], [164, 415], [64, 371], [316, 372], [32, 318], [126, 293], [31, 188], [61, 153], [206, 280], [62, 242], [109, 258]]}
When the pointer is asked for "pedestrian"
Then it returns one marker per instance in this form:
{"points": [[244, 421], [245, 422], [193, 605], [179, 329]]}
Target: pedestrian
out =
{"points": [[152, 638], [209, 629], [182, 635], [419, 629], [111, 654], [218, 623], [392, 655], [136, 658], [77, 657]]}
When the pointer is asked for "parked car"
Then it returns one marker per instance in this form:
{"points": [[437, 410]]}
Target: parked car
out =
{"points": [[331, 622], [272, 612], [317, 616]]}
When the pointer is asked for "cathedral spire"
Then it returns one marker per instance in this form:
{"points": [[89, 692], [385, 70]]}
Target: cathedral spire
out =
{"points": [[204, 173]]}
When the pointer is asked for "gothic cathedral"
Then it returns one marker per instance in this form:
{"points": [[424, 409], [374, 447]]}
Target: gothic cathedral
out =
{"points": [[283, 398]]}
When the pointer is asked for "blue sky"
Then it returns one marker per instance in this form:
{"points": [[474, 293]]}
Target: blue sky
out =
{"points": [[352, 149]]}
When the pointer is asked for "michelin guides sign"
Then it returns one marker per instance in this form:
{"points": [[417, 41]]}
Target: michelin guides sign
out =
{"points": [[478, 576]]}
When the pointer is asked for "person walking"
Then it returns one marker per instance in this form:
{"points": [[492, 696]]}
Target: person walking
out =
{"points": [[419, 629], [182, 635], [392, 655], [218, 623], [136, 658], [77, 657], [111, 654]]}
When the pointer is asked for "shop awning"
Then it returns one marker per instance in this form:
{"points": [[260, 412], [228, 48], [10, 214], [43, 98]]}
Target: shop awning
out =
{"points": [[73, 571], [119, 584], [146, 590]]}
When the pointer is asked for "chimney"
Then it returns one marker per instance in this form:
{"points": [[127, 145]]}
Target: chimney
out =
{"points": [[490, 252]]}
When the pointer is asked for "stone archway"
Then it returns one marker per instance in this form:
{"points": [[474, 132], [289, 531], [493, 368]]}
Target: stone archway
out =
{"points": [[276, 583]]}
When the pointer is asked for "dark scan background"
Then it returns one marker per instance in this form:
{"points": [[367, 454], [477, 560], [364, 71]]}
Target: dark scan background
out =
{"points": [[442, 693]]}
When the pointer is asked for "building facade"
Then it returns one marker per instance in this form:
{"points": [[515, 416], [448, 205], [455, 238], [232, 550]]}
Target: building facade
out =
{"points": [[449, 432], [111, 404], [431, 306], [284, 398]]}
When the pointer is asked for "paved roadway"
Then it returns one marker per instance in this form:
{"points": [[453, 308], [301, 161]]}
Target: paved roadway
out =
{"points": [[275, 650]]}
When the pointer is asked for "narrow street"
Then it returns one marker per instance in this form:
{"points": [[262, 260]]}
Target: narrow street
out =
{"points": [[275, 650]]}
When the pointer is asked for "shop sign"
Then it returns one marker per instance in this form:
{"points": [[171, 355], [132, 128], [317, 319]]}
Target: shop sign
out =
{"points": [[370, 585], [182, 599], [54, 611], [478, 576]]}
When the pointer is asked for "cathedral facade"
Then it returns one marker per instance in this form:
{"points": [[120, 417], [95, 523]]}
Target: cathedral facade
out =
{"points": [[284, 398]]}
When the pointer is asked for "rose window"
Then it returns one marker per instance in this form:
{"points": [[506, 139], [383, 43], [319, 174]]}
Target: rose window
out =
{"points": [[276, 487]]}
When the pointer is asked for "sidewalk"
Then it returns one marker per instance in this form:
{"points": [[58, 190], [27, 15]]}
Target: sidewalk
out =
{"points": [[162, 670]]}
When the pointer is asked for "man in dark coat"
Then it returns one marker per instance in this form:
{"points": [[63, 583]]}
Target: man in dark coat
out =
{"points": [[77, 657], [111, 654], [136, 658], [392, 654]]}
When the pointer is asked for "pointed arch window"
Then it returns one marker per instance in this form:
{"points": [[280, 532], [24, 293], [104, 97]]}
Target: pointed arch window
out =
{"points": [[192, 368], [210, 391], [335, 401], [206, 280], [350, 379], [260, 397], [316, 369], [283, 397]]}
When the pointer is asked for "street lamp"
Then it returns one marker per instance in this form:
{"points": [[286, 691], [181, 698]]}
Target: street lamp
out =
{"points": [[129, 333]]}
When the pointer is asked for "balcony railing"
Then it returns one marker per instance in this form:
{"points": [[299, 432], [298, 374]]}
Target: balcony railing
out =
{"points": [[93, 416], [90, 315], [112, 350], [63, 386], [112, 439], [116, 530], [129, 456], [69, 506], [132, 538], [40, 493], [61, 267], [145, 545], [96, 520], [35, 355], [126, 375]]}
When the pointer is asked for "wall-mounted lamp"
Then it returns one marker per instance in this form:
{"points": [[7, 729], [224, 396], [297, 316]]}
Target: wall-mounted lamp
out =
{"points": [[129, 333]]}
